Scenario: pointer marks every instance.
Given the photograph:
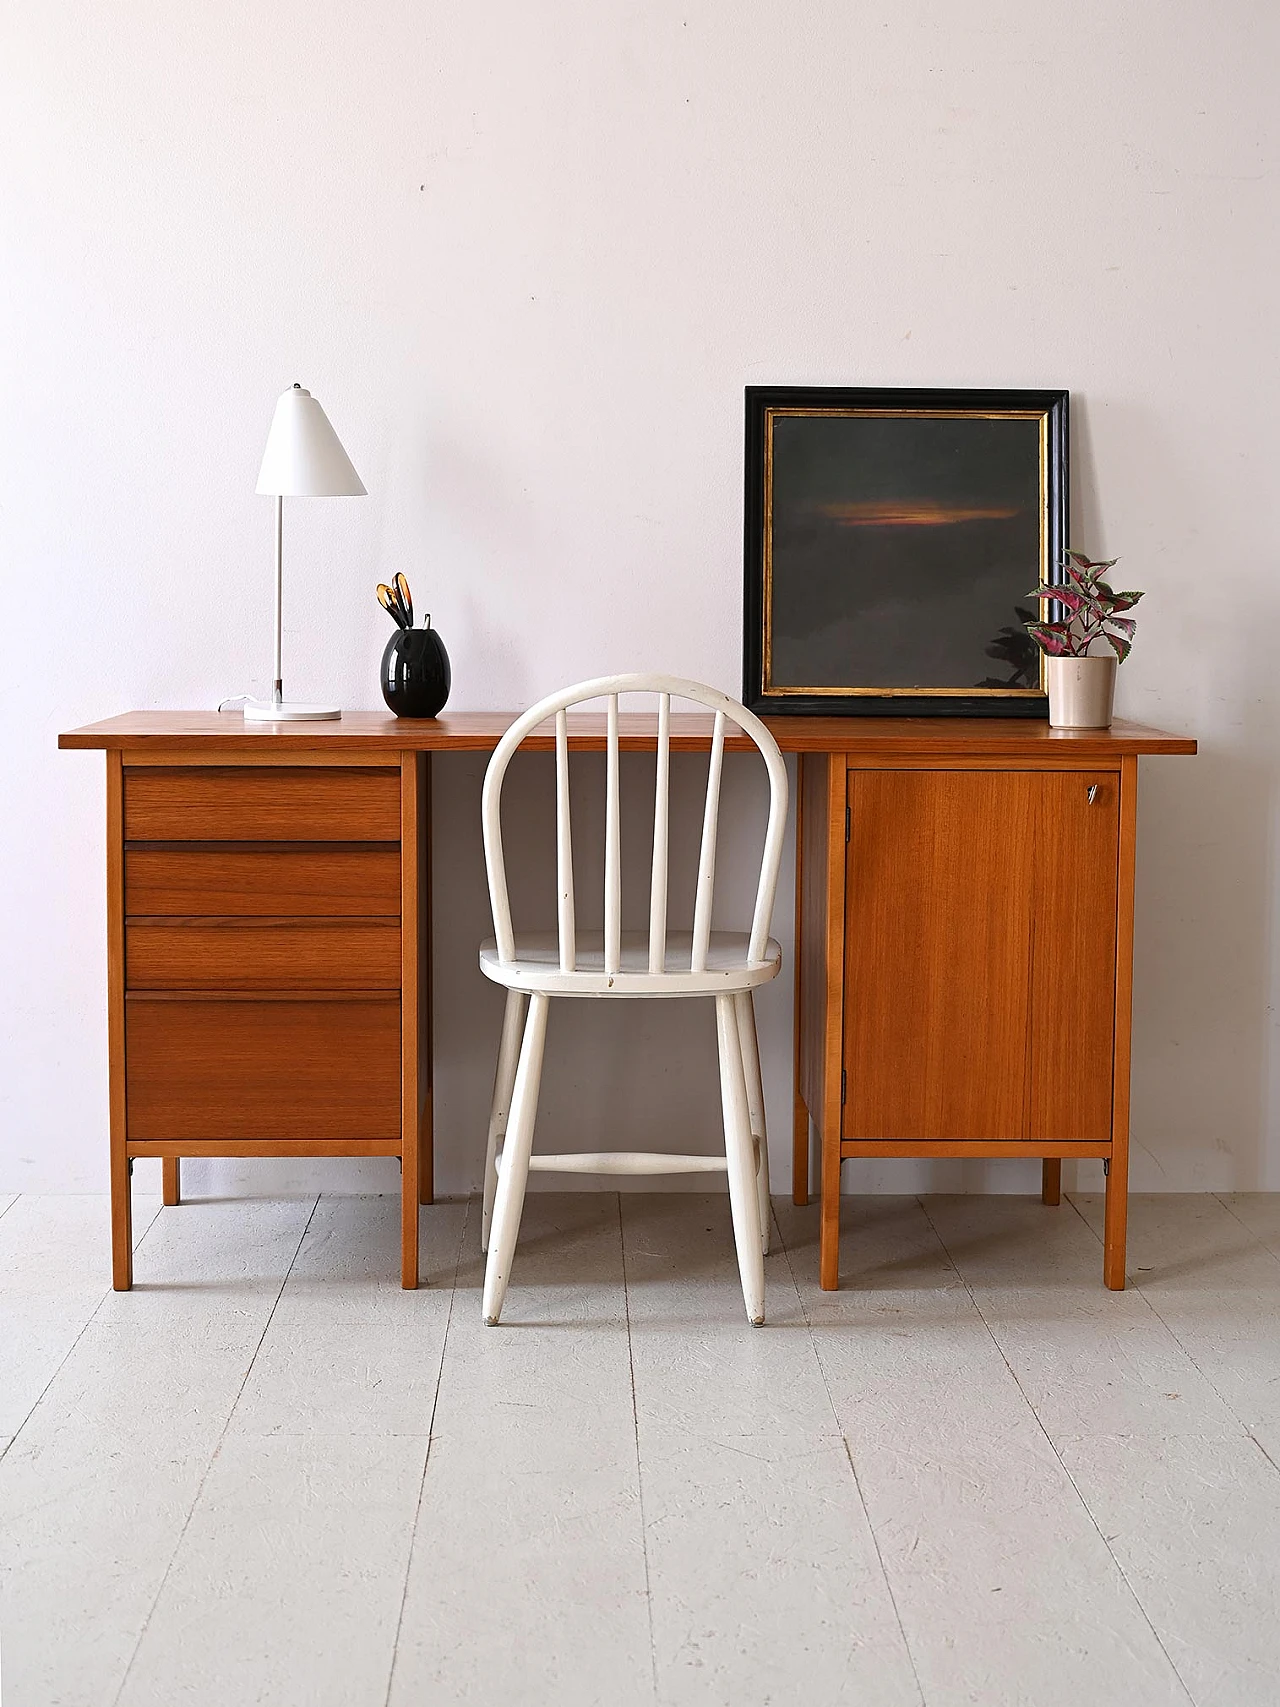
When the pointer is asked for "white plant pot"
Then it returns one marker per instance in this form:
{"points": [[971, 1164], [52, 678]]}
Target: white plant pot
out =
{"points": [[1082, 692]]}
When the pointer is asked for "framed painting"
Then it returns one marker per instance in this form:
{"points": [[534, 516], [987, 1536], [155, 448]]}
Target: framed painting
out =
{"points": [[892, 542]]}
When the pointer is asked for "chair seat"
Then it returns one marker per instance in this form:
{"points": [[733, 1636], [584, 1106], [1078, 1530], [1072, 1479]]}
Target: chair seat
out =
{"points": [[537, 965]]}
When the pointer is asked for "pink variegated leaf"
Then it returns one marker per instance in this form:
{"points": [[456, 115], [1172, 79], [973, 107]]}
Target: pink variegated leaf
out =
{"points": [[1074, 600], [1092, 564], [1052, 637], [1068, 596], [1125, 624], [1121, 646]]}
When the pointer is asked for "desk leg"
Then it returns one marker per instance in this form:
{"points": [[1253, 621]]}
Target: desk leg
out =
{"points": [[832, 1121], [121, 1196], [121, 1221], [799, 1112], [411, 793], [171, 1173], [1115, 1225], [1051, 1180], [426, 988]]}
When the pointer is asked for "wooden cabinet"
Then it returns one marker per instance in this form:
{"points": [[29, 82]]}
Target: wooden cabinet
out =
{"points": [[265, 932], [964, 932], [979, 954]]}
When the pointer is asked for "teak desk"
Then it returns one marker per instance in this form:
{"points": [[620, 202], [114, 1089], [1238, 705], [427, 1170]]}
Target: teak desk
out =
{"points": [[964, 930]]}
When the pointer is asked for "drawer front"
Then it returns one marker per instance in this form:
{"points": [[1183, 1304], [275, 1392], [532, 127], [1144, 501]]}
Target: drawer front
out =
{"points": [[205, 1068], [266, 803], [262, 954], [317, 882]]}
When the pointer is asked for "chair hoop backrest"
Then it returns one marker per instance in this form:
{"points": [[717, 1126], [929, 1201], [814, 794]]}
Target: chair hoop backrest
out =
{"points": [[727, 710]]}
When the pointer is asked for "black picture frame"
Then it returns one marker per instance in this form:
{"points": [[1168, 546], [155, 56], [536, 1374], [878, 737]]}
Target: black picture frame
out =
{"points": [[811, 598]]}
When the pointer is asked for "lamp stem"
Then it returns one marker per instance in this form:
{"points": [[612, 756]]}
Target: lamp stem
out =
{"points": [[277, 691]]}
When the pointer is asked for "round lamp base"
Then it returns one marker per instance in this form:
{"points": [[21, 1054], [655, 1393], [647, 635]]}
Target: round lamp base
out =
{"points": [[288, 711]]}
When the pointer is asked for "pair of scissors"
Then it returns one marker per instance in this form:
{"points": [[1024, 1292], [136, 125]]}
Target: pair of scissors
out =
{"points": [[396, 601]]}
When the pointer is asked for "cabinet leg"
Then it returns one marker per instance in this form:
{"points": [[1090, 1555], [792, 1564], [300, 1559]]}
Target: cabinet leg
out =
{"points": [[409, 1217], [121, 1221], [171, 1175], [1051, 1180], [1115, 1227], [829, 1235], [799, 1150]]}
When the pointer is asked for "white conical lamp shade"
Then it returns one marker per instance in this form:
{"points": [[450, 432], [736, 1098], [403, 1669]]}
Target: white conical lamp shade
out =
{"points": [[304, 457]]}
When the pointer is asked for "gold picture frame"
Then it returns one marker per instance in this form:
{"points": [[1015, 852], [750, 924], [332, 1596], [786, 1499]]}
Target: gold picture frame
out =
{"points": [[901, 525]]}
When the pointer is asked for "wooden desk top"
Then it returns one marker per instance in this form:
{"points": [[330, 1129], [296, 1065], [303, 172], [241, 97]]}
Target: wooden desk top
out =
{"points": [[358, 732]]}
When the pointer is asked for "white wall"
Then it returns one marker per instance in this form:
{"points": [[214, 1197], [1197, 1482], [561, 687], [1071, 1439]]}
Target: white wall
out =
{"points": [[528, 256]]}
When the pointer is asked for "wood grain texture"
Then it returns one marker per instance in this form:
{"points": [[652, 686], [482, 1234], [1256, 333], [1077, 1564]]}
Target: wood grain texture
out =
{"points": [[972, 1147], [833, 997], [424, 877], [262, 954], [941, 867], [121, 1194], [263, 1147], [239, 803], [323, 880], [409, 1041], [1117, 1203], [799, 1108], [278, 1069], [811, 946], [1074, 956], [929, 737], [262, 755]]}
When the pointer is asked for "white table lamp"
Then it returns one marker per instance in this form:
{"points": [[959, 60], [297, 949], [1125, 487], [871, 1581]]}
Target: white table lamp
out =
{"points": [[304, 458]]}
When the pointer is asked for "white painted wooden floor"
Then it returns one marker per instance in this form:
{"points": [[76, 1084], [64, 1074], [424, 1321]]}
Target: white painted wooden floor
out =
{"points": [[971, 1477]]}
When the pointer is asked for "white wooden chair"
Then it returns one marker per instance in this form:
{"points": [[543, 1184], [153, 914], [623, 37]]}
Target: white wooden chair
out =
{"points": [[566, 962]]}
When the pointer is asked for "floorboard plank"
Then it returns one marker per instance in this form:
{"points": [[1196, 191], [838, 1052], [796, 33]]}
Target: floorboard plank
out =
{"points": [[285, 1588], [1260, 1213], [96, 1490], [1196, 1518], [55, 1267], [527, 1579], [321, 1462], [1006, 1591], [753, 1521], [349, 1351]]}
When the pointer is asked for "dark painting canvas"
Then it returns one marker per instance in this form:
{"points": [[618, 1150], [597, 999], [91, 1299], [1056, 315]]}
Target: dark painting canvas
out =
{"points": [[898, 551]]}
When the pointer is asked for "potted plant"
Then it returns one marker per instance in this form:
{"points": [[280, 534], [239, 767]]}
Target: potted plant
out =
{"points": [[1082, 683]]}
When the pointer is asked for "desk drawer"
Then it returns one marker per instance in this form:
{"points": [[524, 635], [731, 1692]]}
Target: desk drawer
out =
{"points": [[320, 881], [261, 803], [262, 954], [258, 1067]]}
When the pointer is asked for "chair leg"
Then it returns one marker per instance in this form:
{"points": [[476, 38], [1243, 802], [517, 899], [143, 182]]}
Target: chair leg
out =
{"points": [[503, 1083], [755, 1104], [513, 1177], [740, 1152]]}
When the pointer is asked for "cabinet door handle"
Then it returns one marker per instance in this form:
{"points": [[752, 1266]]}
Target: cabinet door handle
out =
{"points": [[1092, 792]]}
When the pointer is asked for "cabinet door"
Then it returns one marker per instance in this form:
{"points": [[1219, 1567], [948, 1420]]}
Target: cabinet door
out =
{"points": [[980, 955], [1073, 994], [938, 908]]}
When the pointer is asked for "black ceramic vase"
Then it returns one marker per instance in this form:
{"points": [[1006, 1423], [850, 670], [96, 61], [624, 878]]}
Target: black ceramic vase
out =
{"points": [[415, 673]]}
